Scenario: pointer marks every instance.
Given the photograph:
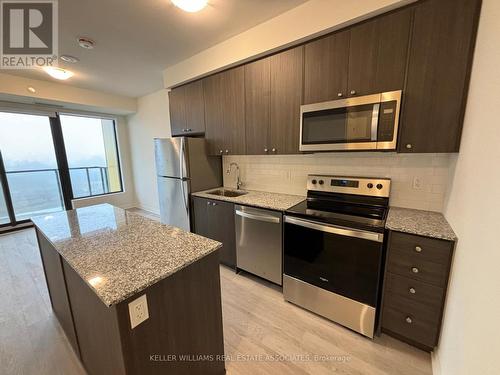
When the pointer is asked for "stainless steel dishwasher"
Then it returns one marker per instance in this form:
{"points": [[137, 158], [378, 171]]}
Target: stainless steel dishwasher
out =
{"points": [[258, 242]]}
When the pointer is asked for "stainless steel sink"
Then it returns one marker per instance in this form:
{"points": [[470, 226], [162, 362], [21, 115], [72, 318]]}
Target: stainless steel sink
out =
{"points": [[227, 193]]}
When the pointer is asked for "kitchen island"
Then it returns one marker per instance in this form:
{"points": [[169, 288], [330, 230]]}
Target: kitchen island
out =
{"points": [[132, 295]]}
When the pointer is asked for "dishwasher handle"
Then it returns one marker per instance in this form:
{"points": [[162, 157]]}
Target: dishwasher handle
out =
{"points": [[266, 218]]}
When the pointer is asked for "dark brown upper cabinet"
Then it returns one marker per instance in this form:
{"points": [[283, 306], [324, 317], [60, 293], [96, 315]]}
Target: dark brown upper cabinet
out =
{"points": [[225, 112], [424, 49], [187, 109], [364, 59], [234, 111], [286, 98], [325, 68], [378, 52], [258, 106], [214, 133], [442, 46], [273, 94]]}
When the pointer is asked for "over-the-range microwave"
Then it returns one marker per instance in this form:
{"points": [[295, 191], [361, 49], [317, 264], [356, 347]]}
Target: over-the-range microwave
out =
{"points": [[359, 123]]}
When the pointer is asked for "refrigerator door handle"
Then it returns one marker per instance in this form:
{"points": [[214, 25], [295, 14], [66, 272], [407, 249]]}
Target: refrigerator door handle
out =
{"points": [[184, 196], [181, 158]]}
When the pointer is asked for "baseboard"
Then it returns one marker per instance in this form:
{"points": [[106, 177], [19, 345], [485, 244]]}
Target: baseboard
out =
{"points": [[145, 208], [436, 364]]}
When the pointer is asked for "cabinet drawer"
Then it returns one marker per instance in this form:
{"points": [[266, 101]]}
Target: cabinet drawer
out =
{"points": [[412, 266], [426, 313], [429, 249], [416, 328], [414, 290]]}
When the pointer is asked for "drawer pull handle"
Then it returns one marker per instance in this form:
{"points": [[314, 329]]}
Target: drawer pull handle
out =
{"points": [[409, 320], [412, 291], [418, 249], [414, 270]]}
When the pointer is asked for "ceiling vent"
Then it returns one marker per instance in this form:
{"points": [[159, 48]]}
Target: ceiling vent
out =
{"points": [[86, 43]]}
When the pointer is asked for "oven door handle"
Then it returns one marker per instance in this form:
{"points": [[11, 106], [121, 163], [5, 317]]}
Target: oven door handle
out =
{"points": [[342, 231]]}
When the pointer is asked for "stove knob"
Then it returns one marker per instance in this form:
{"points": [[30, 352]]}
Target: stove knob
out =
{"points": [[380, 186], [314, 182], [370, 185], [321, 182]]}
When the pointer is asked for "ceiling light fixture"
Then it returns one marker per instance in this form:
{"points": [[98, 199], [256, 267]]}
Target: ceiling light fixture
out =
{"points": [[69, 59], [58, 73], [190, 6], [86, 43]]}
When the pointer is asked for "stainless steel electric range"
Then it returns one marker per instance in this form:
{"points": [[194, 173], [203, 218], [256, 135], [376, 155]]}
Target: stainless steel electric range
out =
{"points": [[334, 249]]}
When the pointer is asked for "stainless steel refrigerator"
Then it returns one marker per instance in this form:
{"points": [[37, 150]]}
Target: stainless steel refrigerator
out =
{"points": [[183, 167]]}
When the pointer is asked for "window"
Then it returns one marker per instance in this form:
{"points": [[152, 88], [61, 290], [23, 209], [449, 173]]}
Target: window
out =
{"points": [[46, 160], [31, 171], [92, 154]]}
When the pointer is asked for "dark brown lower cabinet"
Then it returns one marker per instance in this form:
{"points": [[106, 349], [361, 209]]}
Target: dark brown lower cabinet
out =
{"points": [[215, 219], [58, 293], [416, 278], [183, 334]]}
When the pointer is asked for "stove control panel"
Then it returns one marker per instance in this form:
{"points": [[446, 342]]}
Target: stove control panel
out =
{"points": [[376, 187]]}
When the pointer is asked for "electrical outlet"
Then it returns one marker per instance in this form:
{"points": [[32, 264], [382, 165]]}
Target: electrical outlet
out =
{"points": [[417, 183], [138, 311]]}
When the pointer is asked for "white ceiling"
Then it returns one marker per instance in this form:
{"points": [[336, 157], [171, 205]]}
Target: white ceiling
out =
{"points": [[137, 39]]}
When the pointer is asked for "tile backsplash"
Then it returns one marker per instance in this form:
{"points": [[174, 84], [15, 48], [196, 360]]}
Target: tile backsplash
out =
{"points": [[418, 180]]}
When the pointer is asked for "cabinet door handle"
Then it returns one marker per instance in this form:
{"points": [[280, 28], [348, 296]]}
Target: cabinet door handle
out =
{"points": [[340, 95], [227, 151], [409, 146], [353, 92], [273, 150], [266, 150], [415, 270], [418, 249], [412, 291], [220, 151], [409, 320]]}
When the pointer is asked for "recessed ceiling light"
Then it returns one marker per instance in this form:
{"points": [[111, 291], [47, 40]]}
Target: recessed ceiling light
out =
{"points": [[31, 89], [86, 43], [190, 6], [69, 59], [58, 73]]}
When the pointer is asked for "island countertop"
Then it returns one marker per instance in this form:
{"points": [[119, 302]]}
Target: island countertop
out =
{"points": [[119, 253]]}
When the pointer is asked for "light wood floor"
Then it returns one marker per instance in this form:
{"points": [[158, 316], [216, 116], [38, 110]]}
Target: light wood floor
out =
{"points": [[259, 327]]}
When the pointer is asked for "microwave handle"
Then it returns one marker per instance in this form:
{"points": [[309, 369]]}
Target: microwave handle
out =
{"points": [[341, 231], [375, 115]]}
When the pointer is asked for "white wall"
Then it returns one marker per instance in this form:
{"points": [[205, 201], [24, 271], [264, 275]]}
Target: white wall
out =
{"points": [[127, 198], [311, 19], [14, 88], [288, 173], [470, 338], [152, 120]]}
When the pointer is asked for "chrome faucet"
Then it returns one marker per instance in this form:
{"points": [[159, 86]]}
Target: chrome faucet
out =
{"points": [[238, 180]]}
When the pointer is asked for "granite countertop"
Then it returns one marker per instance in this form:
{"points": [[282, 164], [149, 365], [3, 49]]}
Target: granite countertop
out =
{"points": [[423, 223], [272, 201], [120, 253]]}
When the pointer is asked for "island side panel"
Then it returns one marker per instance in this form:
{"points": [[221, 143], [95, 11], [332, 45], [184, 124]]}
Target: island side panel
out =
{"points": [[185, 319], [96, 326], [56, 284]]}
